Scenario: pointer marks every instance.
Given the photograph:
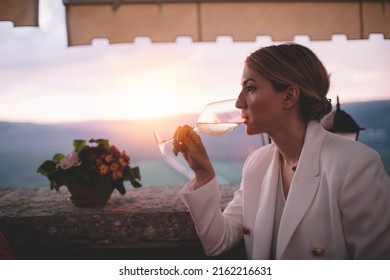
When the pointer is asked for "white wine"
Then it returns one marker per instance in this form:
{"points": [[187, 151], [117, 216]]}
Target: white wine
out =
{"points": [[216, 129], [217, 119]]}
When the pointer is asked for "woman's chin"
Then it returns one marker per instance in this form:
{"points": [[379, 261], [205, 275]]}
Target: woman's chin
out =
{"points": [[251, 131]]}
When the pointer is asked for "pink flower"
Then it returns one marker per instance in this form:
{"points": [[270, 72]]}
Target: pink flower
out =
{"points": [[69, 160], [73, 159]]}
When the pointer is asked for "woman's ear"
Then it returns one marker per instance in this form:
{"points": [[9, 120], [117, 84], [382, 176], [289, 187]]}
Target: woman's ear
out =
{"points": [[291, 97]]}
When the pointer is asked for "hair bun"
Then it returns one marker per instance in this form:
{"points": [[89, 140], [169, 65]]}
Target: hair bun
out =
{"points": [[327, 105]]}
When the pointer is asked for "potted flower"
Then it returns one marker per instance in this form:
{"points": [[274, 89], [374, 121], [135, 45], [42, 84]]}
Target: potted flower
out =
{"points": [[91, 172]]}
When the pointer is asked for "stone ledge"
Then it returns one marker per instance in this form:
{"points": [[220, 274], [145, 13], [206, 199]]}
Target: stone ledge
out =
{"points": [[149, 223]]}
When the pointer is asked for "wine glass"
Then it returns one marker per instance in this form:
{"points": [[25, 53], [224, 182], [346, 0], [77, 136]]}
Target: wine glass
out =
{"points": [[217, 119]]}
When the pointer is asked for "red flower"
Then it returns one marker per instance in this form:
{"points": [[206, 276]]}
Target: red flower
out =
{"points": [[109, 158], [116, 175], [114, 150], [123, 161], [114, 166], [103, 169]]}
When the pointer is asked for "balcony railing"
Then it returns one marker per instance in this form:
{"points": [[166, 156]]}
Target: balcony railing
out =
{"points": [[146, 223]]}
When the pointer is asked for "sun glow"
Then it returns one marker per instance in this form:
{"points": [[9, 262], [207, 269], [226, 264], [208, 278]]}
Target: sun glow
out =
{"points": [[147, 103], [151, 92]]}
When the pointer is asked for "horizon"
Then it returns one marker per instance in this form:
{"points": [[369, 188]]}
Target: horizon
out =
{"points": [[148, 119]]}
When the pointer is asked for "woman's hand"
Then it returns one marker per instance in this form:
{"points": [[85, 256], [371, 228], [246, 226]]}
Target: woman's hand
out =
{"points": [[188, 142]]}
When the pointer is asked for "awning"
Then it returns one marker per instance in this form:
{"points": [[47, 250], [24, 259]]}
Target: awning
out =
{"points": [[122, 21], [20, 12]]}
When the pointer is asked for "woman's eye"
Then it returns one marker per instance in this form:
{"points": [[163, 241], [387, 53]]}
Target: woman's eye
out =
{"points": [[250, 89]]}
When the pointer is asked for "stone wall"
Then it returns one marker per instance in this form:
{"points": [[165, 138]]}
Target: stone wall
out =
{"points": [[146, 223]]}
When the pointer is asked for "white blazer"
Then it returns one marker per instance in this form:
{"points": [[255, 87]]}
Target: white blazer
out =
{"points": [[338, 205]]}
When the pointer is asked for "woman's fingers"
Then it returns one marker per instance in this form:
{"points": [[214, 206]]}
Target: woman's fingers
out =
{"points": [[180, 139], [176, 142], [185, 138], [189, 143]]}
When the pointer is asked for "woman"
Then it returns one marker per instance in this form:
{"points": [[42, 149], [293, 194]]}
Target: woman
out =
{"points": [[310, 194]]}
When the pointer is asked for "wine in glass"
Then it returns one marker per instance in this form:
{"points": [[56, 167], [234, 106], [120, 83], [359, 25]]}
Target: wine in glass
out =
{"points": [[217, 119]]}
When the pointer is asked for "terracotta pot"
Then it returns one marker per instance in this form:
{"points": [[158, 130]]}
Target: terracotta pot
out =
{"points": [[87, 196]]}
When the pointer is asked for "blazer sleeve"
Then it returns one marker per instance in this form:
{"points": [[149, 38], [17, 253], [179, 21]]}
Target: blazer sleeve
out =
{"points": [[365, 207], [218, 232]]}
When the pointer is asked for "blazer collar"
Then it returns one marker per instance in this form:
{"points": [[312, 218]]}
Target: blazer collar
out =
{"points": [[309, 161], [303, 187]]}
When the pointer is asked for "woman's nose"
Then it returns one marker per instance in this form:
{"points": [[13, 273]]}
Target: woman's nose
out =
{"points": [[239, 103]]}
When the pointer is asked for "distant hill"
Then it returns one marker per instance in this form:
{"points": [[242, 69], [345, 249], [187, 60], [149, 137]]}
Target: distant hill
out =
{"points": [[23, 146], [374, 117]]}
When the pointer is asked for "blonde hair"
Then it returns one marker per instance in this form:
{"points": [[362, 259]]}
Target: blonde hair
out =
{"points": [[295, 65]]}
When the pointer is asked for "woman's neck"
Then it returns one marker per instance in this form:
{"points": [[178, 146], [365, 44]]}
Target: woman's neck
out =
{"points": [[289, 141]]}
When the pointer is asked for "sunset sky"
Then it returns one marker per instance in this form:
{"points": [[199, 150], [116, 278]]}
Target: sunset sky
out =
{"points": [[43, 80]]}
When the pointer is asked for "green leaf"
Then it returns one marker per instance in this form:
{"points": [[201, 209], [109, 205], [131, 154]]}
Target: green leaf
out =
{"points": [[79, 144], [53, 185], [136, 172], [88, 157], [131, 174], [135, 183], [57, 158], [120, 187], [101, 142], [46, 167]]}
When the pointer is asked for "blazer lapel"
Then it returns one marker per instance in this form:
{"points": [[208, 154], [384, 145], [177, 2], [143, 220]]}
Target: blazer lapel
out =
{"points": [[303, 188], [264, 223]]}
